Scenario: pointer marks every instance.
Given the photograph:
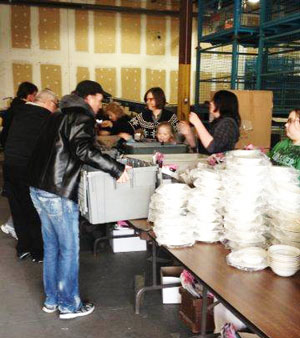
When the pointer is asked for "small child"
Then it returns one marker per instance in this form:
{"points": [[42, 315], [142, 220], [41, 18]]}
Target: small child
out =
{"points": [[165, 133]]}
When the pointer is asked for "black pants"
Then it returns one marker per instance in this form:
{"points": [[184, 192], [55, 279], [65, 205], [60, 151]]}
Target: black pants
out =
{"points": [[25, 217]]}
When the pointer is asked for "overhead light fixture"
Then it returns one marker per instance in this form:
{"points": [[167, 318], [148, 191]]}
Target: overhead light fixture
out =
{"points": [[253, 2]]}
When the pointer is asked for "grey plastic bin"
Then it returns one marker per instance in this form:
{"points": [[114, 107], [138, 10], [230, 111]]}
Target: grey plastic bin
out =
{"points": [[152, 147], [102, 199]]}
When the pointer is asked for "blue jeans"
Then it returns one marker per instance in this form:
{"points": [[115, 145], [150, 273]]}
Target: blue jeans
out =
{"points": [[60, 230]]}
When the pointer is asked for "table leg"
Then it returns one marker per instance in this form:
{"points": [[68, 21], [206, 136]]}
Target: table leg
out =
{"points": [[204, 317], [154, 286]]}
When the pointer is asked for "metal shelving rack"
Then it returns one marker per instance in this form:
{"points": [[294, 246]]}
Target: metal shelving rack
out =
{"points": [[227, 28], [278, 61], [260, 44]]}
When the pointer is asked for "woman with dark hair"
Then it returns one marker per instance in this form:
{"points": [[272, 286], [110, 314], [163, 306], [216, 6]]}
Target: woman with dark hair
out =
{"points": [[223, 132], [154, 114]]}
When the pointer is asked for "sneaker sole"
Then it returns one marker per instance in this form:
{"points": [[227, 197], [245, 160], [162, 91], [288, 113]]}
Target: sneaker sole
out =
{"points": [[45, 309], [24, 256], [72, 315], [3, 228]]}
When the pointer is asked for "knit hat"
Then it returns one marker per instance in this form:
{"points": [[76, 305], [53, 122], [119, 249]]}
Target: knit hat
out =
{"points": [[88, 87]]}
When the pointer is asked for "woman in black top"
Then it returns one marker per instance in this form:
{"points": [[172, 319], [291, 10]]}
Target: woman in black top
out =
{"points": [[223, 132], [154, 114], [118, 122]]}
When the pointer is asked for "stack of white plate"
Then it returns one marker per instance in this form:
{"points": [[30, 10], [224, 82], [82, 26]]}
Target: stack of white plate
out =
{"points": [[249, 259], [244, 182], [284, 206], [204, 206], [168, 212], [174, 232], [284, 260], [189, 175], [169, 200]]}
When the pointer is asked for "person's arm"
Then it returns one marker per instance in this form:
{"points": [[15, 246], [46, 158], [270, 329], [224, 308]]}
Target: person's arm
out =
{"points": [[135, 122], [185, 129], [83, 145], [203, 134], [6, 123], [226, 134], [174, 123]]}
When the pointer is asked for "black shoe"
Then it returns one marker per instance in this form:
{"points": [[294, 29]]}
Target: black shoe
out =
{"points": [[23, 255], [84, 310], [37, 259]]}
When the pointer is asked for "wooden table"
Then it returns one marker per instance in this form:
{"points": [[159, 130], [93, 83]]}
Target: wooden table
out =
{"points": [[268, 304]]}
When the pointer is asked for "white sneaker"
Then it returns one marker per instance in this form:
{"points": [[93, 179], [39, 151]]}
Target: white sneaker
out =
{"points": [[50, 308], [4, 229], [9, 230]]}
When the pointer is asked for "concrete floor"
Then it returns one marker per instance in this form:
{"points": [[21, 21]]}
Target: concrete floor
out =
{"points": [[106, 280]]}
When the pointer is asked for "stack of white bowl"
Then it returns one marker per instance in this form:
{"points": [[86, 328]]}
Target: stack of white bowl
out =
{"points": [[244, 182], [204, 206], [168, 212], [284, 206], [284, 260]]}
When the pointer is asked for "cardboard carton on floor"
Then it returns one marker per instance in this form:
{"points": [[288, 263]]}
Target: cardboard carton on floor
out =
{"points": [[169, 275], [127, 244]]}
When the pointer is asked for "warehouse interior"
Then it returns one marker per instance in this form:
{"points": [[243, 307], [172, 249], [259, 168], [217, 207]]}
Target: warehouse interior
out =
{"points": [[129, 46]]}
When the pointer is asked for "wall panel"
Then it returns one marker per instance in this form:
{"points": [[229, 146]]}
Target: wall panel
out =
{"points": [[82, 73], [155, 78], [107, 78], [156, 35], [21, 72], [82, 31], [131, 83], [20, 27], [49, 28], [51, 78]]}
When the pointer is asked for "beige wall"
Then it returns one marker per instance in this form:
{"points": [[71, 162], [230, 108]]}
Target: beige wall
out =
{"points": [[56, 48]]}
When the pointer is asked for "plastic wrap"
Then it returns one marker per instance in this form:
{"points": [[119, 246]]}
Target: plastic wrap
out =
{"points": [[248, 259]]}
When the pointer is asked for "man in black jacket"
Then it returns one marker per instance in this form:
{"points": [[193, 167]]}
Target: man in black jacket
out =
{"points": [[66, 143], [22, 137]]}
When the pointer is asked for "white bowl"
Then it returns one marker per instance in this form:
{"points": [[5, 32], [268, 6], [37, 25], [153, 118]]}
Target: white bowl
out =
{"points": [[245, 153], [283, 272], [284, 250]]}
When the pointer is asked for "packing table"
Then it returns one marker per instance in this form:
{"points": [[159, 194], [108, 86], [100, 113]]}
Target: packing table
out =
{"points": [[268, 304]]}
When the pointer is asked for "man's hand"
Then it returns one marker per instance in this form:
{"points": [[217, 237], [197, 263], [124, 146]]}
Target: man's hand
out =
{"points": [[123, 178]]}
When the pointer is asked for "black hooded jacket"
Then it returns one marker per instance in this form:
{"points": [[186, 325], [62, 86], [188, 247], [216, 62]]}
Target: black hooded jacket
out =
{"points": [[67, 142], [28, 119], [8, 118]]}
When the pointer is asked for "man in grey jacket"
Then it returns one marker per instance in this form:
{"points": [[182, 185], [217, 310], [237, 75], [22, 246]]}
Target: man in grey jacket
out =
{"points": [[66, 143]]}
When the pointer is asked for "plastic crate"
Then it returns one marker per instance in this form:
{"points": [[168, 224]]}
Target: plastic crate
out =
{"points": [[190, 312], [152, 147], [103, 200]]}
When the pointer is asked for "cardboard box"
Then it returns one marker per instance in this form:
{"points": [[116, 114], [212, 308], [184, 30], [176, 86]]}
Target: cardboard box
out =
{"points": [[190, 312], [255, 108], [169, 275], [250, 20], [127, 244]]}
